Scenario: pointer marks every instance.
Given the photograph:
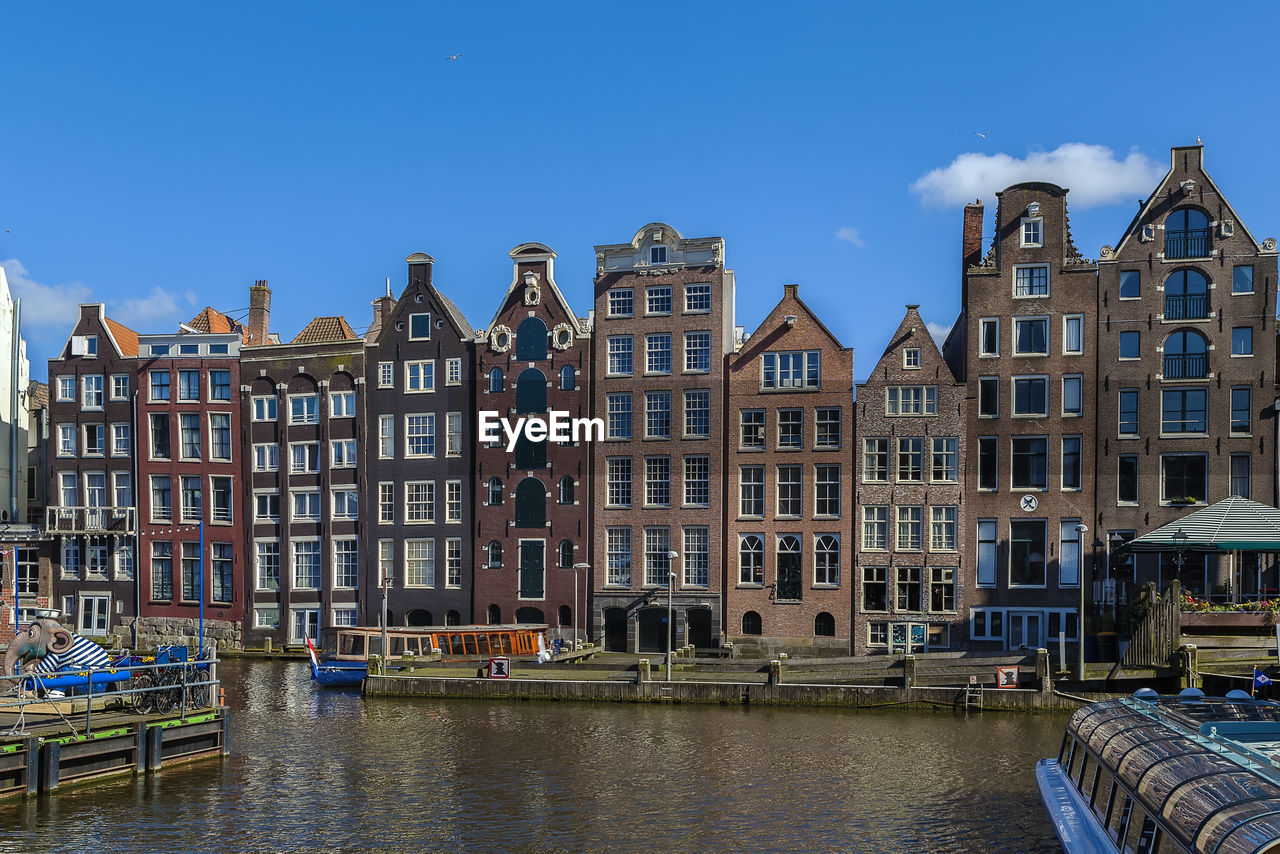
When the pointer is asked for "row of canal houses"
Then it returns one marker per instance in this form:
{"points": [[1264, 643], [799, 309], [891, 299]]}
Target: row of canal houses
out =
{"points": [[961, 501]]}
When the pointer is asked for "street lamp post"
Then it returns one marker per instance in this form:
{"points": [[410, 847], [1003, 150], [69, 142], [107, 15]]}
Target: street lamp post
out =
{"points": [[1081, 530], [671, 583], [576, 613], [1180, 540], [386, 588]]}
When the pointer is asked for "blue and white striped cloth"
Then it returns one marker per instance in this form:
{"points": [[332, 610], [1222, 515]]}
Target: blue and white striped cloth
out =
{"points": [[83, 653]]}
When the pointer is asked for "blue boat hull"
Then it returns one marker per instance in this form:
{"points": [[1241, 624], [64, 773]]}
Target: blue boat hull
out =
{"points": [[340, 675]]}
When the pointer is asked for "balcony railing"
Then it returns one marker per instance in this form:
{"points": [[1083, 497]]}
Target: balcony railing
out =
{"points": [[1193, 243], [1186, 306], [1191, 366], [90, 520]]}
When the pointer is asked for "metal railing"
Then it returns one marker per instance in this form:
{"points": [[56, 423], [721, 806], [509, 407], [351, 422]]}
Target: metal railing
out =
{"points": [[129, 685], [1186, 366], [1186, 306], [90, 520], [1192, 243]]}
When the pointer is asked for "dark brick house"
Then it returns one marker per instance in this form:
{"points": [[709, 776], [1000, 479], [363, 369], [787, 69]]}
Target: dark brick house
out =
{"points": [[1025, 346], [663, 326], [420, 415], [913, 579], [1186, 377], [189, 472], [92, 512], [302, 436], [531, 504], [789, 492]]}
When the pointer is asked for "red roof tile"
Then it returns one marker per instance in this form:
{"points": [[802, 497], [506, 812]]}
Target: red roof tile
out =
{"points": [[212, 320], [325, 329], [125, 337]]}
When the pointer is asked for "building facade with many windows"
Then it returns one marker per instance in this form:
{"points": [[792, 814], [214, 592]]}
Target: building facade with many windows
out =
{"points": [[911, 590], [532, 500], [420, 418], [1186, 377], [663, 325], [1025, 346], [790, 485]]}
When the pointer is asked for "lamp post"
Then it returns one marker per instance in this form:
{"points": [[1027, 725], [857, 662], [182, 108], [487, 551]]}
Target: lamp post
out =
{"points": [[576, 613], [1180, 540], [671, 583], [386, 588], [1081, 530]]}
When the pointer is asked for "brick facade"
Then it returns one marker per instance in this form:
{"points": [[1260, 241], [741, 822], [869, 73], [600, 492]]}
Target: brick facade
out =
{"points": [[789, 490]]}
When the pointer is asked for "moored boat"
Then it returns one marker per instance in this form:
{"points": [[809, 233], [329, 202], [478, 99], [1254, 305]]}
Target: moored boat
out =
{"points": [[1150, 773]]}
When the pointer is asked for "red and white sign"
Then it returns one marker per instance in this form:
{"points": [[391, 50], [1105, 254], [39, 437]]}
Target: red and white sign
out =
{"points": [[1006, 677], [500, 668]]}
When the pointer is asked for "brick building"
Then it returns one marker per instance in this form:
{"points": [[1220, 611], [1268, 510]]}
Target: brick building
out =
{"points": [[663, 325], [420, 412], [189, 474], [302, 437], [1025, 345], [532, 504], [913, 579], [92, 514], [790, 485], [1187, 368]]}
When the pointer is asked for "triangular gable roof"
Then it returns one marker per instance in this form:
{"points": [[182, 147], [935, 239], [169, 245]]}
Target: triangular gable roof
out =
{"points": [[912, 323], [536, 252], [213, 321], [125, 339], [1233, 524], [330, 328], [1151, 199]]}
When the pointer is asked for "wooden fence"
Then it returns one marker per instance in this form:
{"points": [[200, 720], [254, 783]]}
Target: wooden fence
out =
{"points": [[1158, 636]]}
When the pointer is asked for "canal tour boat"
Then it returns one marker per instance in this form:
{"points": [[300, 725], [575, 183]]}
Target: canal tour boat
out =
{"points": [[1150, 773], [450, 643]]}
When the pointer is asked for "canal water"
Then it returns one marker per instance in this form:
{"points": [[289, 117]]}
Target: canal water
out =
{"points": [[322, 770]]}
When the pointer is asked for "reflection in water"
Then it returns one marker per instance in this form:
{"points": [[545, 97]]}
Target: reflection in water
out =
{"points": [[328, 770]]}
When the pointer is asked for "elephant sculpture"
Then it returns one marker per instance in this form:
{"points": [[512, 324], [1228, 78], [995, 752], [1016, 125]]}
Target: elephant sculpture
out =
{"points": [[45, 646]]}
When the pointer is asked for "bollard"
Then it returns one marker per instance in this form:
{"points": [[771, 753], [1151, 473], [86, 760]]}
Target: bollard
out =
{"points": [[775, 672], [1189, 677], [49, 765], [266, 646], [908, 671], [642, 670], [1043, 674]]}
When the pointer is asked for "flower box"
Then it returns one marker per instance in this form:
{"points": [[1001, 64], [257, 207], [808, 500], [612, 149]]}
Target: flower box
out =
{"points": [[1227, 619]]}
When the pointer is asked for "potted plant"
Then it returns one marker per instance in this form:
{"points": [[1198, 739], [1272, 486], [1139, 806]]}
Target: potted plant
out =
{"points": [[1186, 499]]}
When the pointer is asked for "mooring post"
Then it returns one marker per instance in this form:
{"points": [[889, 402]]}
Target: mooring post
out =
{"points": [[642, 670], [32, 748], [140, 747], [775, 671], [908, 671], [1044, 675], [50, 752], [155, 747]]}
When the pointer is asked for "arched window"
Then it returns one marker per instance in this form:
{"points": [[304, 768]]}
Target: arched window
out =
{"points": [[529, 615], [531, 504], [495, 615], [495, 491], [566, 615], [531, 392], [495, 554], [453, 618], [824, 625], [1186, 296], [826, 559], [566, 490], [495, 380], [790, 584], [1185, 355], [1186, 234], [417, 617], [751, 560], [568, 378], [565, 554], [751, 623], [531, 340]]}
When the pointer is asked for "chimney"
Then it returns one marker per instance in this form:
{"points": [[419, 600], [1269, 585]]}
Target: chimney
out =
{"points": [[259, 313], [420, 268], [971, 244], [381, 311]]}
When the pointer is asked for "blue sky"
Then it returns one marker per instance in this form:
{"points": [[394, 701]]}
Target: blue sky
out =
{"points": [[161, 157]]}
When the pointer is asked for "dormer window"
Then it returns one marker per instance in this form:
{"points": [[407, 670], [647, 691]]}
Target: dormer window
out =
{"points": [[1032, 231], [657, 254], [911, 358], [159, 349]]}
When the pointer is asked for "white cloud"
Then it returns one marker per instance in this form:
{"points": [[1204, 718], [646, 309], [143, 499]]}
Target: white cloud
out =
{"points": [[1093, 174], [939, 332], [849, 235], [45, 308], [157, 310]]}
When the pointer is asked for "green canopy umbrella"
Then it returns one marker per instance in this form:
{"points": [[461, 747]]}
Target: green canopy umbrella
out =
{"points": [[1233, 524]]}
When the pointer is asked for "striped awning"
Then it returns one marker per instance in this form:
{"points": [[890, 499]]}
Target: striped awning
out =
{"points": [[1234, 524]]}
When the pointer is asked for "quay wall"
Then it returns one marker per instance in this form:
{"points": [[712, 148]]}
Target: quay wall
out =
{"points": [[723, 693]]}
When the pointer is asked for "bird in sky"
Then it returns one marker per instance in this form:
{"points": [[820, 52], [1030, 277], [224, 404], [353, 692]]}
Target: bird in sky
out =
{"points": [[982, 133], [452, 58]]}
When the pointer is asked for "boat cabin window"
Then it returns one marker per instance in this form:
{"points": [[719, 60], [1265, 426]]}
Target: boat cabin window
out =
{"points": [[349, 644]]}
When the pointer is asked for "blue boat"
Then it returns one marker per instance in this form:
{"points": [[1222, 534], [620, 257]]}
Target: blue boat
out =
{"points": [[339, 674]]}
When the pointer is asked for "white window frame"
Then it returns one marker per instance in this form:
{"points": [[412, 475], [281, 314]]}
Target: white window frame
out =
{"points": [[1031, 354], [1048, 281], [1037, 222], [1066, 336]]}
